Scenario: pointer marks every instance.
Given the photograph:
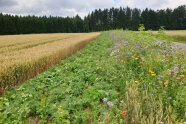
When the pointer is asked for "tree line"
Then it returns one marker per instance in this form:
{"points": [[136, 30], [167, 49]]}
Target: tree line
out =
{"points": [[98, 20]]}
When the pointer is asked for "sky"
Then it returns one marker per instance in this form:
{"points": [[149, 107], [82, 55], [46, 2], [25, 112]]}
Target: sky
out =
{"points": [[81, 7]]}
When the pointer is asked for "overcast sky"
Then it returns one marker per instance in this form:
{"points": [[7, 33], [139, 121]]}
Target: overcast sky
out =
{"points": [[81, 7]]}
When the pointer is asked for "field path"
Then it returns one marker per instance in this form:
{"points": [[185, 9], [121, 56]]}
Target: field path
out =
{"points": [[181, 46]]}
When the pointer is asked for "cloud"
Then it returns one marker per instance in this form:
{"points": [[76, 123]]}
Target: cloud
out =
{"points": [[7, 3], [153, 4], [81, 7]]}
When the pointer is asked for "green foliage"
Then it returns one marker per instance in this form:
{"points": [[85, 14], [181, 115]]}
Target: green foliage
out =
{"points": [[98, 20], [141, 28], [161, 31], [61, 117], [102, 81]]}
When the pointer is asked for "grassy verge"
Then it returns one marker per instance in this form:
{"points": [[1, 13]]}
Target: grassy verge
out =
{"points": [[122, 77]]}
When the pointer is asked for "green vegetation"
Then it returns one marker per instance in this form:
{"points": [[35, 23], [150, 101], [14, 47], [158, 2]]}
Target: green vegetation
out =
{"points": [[98, 20], [122, 77]]}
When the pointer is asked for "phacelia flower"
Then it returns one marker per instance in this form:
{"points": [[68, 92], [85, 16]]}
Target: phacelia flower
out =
{"points": [[107, 93], [172, 72], [109, 103], [122, 101], [105, 99]]}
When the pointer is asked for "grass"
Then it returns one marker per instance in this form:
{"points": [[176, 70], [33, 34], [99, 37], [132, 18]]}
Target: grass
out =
{"points": [[24, 56], [122, 77], [176, 36]]}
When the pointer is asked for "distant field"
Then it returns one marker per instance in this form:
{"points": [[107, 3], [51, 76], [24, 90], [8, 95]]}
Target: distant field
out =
{"points": [[24, 56], [176, 35]]}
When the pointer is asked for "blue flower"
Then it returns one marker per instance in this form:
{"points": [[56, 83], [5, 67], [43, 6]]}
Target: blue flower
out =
{"points": [[107, 93], [109, 103], [105, 99]]}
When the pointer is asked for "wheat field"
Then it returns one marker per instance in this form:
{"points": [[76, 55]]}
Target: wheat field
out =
{"points": [[178, 35], [24, 56]]}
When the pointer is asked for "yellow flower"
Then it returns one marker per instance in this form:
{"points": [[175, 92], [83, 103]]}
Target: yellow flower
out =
{"points": [[137, 82], [181, 71], [178, 78], [132, 56], [139, 66], [161, 82], [166, 85], [42, 100], [136, 58], [153, 74], [181, 75]]}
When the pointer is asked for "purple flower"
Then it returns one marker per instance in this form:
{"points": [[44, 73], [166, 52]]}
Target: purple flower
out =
{"points": [[105, 99], [107, 93], [109, 103], [176, 68], [164, 91], [152, 94], [182, 67], [159, 77], [172, 72], [161, 122], [122, 101]]}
